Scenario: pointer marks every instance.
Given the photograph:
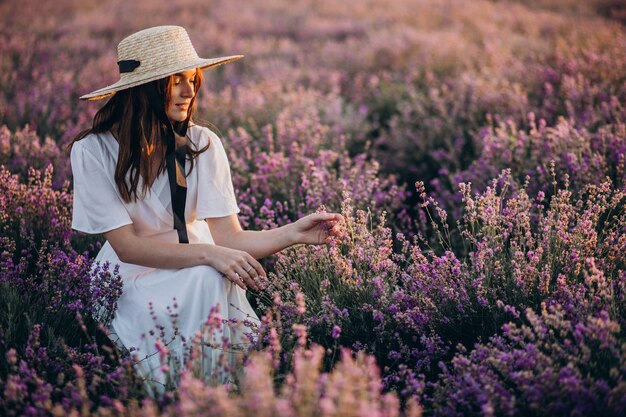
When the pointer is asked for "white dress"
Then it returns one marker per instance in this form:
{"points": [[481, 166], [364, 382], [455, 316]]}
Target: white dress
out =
{"points": [[98, 208]]}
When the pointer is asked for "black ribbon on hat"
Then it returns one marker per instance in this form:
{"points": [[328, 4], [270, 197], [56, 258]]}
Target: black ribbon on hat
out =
{"points": [[175, 156], [128, 65]]}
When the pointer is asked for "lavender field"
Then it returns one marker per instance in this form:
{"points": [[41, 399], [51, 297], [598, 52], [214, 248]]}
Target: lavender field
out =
{"points": [[476, 148]]}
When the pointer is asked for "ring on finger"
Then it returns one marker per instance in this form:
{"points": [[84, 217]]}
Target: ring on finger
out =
{"points": [[249, 268]]}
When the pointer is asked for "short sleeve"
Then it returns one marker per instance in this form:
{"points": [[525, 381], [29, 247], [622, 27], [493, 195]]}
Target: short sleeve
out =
{"points": [[216, 197], [98, 207]]}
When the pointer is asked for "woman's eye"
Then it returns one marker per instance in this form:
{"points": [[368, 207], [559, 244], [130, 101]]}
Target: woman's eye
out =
{"points": [[177, 81]]}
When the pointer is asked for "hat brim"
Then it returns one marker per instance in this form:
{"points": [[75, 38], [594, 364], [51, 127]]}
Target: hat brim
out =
{"points": [[202, 64]]}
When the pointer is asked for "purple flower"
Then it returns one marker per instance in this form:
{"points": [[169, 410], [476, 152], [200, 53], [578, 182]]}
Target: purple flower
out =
{"points": [[336, 332]]}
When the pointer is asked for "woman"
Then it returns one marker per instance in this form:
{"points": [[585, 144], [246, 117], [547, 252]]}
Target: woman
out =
{"points": [[158, 188]]}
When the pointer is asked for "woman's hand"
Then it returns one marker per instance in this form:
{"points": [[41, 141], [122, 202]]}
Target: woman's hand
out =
{"points": [[316, 228], [237, 266]]}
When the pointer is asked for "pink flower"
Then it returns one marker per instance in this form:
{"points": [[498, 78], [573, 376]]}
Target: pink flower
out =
{"points": [[301, 306]]}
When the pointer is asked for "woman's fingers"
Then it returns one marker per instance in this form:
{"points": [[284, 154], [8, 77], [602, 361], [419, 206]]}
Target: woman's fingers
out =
{"points": [[256, 266], [239, 267], [330, 217], [328, 221], [244, 271], [236, 278], [316, 228], [251, 271], [334, 230], [247, 278]]}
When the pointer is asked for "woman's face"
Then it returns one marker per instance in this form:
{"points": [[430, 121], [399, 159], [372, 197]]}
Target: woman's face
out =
{"points": [[182, 90]]}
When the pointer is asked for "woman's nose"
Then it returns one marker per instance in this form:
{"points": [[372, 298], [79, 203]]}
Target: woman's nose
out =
{"points": [[188, 89]]}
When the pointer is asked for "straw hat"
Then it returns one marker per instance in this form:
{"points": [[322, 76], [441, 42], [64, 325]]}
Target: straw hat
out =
{"points": [[152, 54]]}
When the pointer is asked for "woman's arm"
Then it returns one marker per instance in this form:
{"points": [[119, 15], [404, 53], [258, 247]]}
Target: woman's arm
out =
{"points": [[234, 251], [311, 229], [236, 265]]}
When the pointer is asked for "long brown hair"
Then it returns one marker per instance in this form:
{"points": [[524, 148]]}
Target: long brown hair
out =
{"points": [[140, 134]]}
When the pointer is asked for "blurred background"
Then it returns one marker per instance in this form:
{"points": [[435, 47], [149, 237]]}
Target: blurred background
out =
{"points": [[410, 81]]}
